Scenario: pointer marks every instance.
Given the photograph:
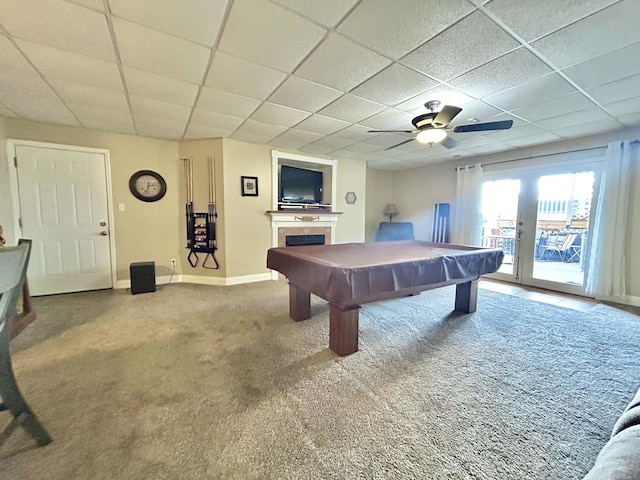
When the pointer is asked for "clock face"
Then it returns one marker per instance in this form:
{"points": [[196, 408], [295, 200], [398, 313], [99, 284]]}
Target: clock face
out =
{"points": [[147, 185]]}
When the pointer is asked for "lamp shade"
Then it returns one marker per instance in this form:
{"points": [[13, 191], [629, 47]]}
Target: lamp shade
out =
{"points": [[391, 209], [431, 135]]}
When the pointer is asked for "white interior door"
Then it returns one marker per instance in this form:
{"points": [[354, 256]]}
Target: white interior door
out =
{"points": [[64, 211]]}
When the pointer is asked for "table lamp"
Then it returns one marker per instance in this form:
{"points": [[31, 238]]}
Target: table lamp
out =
{"points": [[391, 210]]}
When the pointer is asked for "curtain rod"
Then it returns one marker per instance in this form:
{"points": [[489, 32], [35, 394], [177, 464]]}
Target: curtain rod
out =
{"points": [[539, 156]]}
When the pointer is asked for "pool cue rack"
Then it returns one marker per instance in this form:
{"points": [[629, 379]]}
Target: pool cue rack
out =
{"points": [[201, 226]]}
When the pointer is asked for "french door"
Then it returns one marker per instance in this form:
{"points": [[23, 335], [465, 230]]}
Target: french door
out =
{"points": [[541, 219]]}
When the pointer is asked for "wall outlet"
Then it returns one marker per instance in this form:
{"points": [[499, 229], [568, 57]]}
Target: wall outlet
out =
{"points": [[173, 262]]}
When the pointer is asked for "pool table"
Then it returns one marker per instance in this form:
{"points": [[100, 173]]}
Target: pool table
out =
{"points": [[351, 274]]}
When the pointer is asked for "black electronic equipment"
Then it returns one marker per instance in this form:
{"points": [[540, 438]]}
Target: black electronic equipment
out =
{"points": [[143, 277], [300, 185]]}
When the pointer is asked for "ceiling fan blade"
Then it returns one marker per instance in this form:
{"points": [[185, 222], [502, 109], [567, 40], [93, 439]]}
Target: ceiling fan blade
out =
{"points": [[445, 116], [481, 127], [449, 143], [397, 145], [391, 131]]}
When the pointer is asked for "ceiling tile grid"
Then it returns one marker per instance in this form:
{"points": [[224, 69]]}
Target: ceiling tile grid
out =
{"points": [[318, 76]]}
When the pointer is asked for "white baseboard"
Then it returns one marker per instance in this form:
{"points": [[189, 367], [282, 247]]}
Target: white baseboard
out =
{"points": [[632, 300], [202, 280]]}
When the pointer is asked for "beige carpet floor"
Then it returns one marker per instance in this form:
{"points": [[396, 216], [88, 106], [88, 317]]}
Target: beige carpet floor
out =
{"points": [[198, 382]]}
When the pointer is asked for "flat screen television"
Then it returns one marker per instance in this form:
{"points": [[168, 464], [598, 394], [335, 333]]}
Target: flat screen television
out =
{"points": [[299, 185]]}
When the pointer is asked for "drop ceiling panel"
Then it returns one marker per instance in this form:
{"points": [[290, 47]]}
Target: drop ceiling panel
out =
{"points": [[158, 127], [156, 108], [95, 4], [157, 52], [450, 54], [11, 60], [573, 118], [341, 64], [39, 109], [247, 137], [393, 85], [356, 148], [624, 107], [355, 132], [606, 68], [151, 85], [553, 108], [616, 91], [303, 94], [548, 16], [273, 46], [103, 118], [224, 102], [321, 124], [203, 18], [389, 119], [55, 63], [501, 74], [477, 110], [590, 127], [443, 93], [236, 75], [326, 12], [532, 92], [24, 84], [59, 24], [279, 115], [219, 121], [350, 108], [90, 96], [195, 132], [592, 36], [301, 137], [396, 28], [5, 112], [266, 130], [332, 142]]}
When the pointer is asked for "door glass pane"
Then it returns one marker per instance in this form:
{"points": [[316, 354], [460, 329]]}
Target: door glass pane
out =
{"points": [[564, 206], [499, 214]]}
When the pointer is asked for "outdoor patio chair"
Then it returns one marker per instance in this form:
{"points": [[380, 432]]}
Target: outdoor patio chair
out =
{"points": [[13, 272], [561, 244]]}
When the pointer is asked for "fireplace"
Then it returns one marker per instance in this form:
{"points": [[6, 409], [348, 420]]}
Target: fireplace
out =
{"points": [[308, 239]]}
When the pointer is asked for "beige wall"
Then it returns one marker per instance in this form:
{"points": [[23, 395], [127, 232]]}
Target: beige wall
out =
{"points": [[417, 190], [143, 231], [352, 177], [379, 194], [248, 227], [5, 200]]}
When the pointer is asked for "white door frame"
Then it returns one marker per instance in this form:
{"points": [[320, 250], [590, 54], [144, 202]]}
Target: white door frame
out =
{"points": [[527, 213], [15, 198]]}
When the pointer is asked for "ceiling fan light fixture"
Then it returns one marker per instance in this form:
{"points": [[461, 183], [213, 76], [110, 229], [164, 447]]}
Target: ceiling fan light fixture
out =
{"points": [[432, 135]]}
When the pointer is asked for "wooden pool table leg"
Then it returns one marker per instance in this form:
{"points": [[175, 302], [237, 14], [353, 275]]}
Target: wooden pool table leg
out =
{"points": [[343, 330], [299, 303], [467, 296]]}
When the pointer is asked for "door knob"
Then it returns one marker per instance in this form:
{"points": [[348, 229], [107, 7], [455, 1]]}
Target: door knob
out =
{"points": [[104, 233], [103, 224]]}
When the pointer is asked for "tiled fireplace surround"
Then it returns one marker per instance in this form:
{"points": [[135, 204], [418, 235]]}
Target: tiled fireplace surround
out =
{"points": [[296, 223]]}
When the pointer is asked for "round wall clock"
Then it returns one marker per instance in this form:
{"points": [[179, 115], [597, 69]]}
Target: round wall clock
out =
{"points": [[147, 185]]}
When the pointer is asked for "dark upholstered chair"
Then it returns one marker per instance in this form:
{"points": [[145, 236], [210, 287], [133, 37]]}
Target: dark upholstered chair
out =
{"points": [[619, 459], [394, 231], [13, 272]]}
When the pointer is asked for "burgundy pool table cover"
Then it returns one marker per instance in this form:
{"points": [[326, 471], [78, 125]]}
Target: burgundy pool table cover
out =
{"points": [[355, 273]]}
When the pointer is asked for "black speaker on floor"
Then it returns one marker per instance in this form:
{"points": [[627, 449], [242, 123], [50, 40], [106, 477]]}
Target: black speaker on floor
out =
{"points": [[143, 277]]}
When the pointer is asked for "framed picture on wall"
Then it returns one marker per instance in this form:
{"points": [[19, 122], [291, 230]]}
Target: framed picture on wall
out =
{"points": [[249, 186]]}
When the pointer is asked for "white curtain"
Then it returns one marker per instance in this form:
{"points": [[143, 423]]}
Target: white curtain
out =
{"points": [[467, 219], [606, 273]]}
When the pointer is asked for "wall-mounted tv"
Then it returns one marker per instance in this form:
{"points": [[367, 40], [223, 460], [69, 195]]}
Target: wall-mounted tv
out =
{"points": [[299, 185]]}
